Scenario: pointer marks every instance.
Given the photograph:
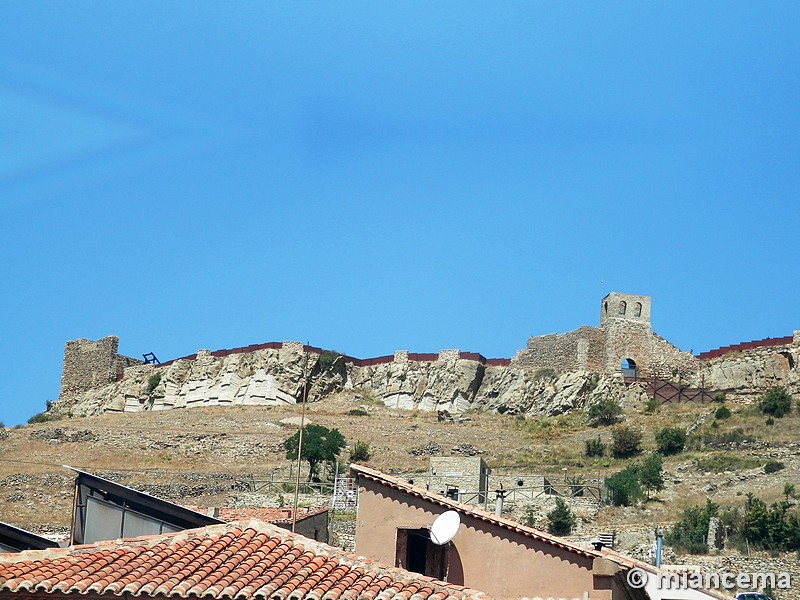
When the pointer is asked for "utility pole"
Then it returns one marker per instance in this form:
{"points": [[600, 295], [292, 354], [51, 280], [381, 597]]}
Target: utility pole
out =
{"points": [[300, 438]]}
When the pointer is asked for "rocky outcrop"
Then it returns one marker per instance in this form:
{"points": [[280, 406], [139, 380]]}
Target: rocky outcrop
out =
{"points": [[278, 376], [450, 381], [262, 377], [750, 373], [440, 385], [519, 391]]}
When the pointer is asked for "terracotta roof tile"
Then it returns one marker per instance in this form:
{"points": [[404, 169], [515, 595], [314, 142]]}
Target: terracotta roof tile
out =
{"points": [[255, 560]]}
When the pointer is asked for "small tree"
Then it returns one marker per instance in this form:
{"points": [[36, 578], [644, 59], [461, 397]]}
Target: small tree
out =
{"points": [[604, 412], [625, 442], [622, 488], [691, 532], [320, 444], [776, 402], [670, 440], [651, 477], [560, 520]]}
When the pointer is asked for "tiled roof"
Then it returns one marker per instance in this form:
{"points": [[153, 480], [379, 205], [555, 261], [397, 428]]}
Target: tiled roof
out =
{"points": [[236, 560], [472, 511]]}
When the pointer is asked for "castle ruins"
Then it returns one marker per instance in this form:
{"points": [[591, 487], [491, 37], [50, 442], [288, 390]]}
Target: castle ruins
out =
{"points": [[551, 374]]}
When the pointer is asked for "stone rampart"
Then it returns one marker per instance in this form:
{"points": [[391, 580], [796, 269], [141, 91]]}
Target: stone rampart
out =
{"points": [[578, 350], [553, 374], [90, 365]]}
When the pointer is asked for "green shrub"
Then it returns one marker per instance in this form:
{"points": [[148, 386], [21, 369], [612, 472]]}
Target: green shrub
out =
{"points": [[723, 412], [595, 447], [773, 466], [622, 488], [717, 463], [770, 421], [772, 528], [670, 440], [691, 532], [714, 438], [776, 402], [560, 520], [42, 417], [152, 382], [360, 451], [719, 397], [625, 442], [327, 358], [651, 406], [357, 412], [605, 412]]}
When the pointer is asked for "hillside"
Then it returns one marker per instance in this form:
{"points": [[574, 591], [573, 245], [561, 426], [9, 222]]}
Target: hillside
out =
{"points": [[204, 456]]}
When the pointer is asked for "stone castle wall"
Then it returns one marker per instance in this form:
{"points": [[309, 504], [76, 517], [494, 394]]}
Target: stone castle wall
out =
{"points": [[90, 365], [553, 374], [579, 350]]}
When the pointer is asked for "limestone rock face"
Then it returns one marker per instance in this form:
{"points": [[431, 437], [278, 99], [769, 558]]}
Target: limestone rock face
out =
{"points": [[441, 385], [271, 376], [751, 373], [263, 377], [519, 391]]}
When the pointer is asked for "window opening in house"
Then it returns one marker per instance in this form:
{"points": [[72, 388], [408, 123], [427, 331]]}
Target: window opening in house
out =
{"points": [[416, 552], [622, 308], [452, 493], [637, 309]]}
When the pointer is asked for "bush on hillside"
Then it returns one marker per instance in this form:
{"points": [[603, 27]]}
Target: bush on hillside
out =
{"points": [[670, 440], [625, 442], [595, 447], [605, 412], [776, 402], [723, 412]]}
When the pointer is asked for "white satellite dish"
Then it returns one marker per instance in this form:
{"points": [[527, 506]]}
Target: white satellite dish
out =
{"points": [[445, 527]]}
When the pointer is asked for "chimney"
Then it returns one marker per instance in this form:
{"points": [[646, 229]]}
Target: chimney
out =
{"points": [[213, 511], [500, 495]]}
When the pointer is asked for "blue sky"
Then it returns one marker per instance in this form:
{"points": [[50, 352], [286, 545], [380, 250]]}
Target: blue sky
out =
{"points": [[370, 177]]}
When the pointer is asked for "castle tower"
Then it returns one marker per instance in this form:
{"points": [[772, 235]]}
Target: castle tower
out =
{"points": [[625, 306]]}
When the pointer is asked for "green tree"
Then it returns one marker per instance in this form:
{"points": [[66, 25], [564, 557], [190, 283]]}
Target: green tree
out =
{"points": [[690, 534], [622, 488], [651, 476], [625, 442], [320, 444], [670, 440], [604, 412], [560, 520], [776, 402]]}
